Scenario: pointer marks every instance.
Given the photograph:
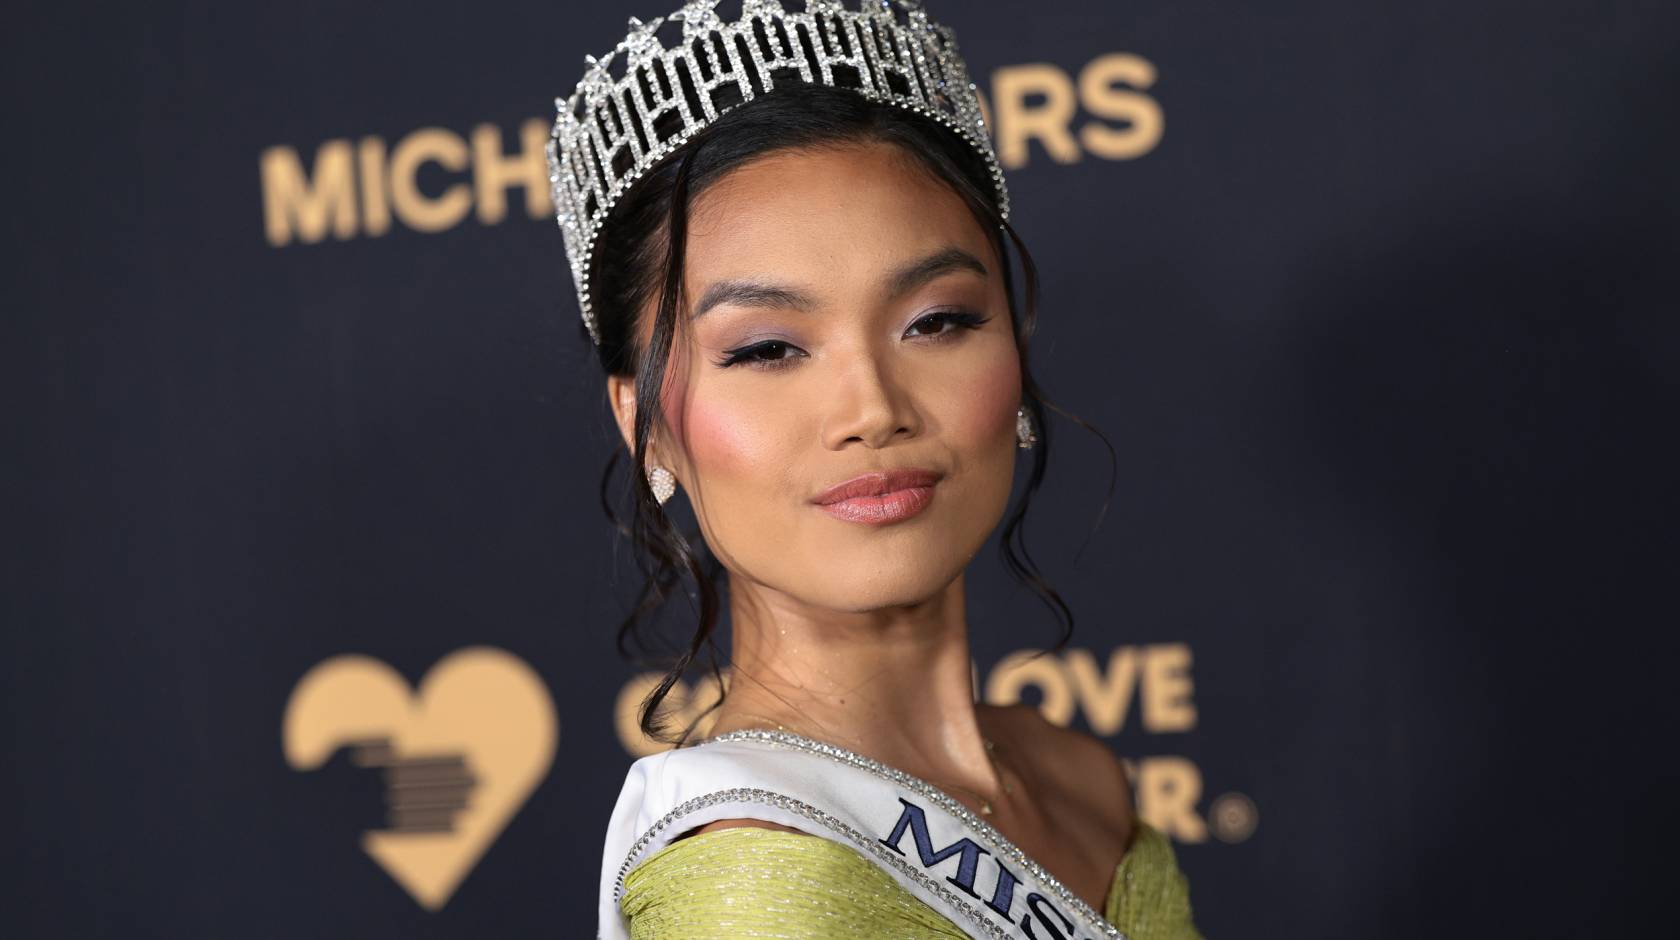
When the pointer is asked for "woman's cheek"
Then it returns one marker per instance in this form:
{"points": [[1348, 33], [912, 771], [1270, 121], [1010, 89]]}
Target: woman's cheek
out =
{"points": [[988, 402], [724, 440]]}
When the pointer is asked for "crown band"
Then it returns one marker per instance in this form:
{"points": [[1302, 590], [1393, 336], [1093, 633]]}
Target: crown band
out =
{"points": [[613, 129]]}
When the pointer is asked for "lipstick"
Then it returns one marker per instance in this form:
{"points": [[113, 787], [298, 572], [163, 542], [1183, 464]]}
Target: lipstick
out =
{"points": [[880, 498]]}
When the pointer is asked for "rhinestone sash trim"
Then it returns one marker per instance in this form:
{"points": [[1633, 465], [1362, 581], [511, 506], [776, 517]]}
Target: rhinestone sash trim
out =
{"points": [[1002, 846]]}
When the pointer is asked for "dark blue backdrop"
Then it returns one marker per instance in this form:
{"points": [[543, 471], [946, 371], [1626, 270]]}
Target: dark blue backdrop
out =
{"points": [[1375, 299]]}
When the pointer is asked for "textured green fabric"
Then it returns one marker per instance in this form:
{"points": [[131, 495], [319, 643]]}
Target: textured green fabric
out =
{"points": [[753, 882]]}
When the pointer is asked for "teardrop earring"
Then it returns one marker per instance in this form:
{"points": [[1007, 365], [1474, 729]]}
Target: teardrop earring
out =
{"points": [[1024, 435], [662, 481]]}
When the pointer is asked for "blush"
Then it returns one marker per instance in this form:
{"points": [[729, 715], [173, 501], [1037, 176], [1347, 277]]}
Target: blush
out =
{"points": [[989, 398], [731, 438]]}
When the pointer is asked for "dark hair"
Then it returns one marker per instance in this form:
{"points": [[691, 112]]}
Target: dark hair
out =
{"points": [[641, 248]]}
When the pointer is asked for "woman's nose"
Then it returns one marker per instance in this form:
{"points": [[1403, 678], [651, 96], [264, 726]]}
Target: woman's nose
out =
{"points": [[870, 406]]}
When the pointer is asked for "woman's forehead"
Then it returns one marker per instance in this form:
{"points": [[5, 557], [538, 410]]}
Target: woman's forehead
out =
{"points": [[833, 211]]}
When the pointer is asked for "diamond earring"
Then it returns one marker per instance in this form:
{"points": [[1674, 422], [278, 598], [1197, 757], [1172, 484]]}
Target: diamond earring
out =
{"points": [[1024, 435], [662, 481]]}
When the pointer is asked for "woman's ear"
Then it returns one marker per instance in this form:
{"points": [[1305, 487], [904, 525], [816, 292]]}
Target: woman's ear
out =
{"points": [[621, 394]]}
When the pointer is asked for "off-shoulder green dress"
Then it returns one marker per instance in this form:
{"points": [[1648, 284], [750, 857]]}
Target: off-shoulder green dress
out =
{"points": [[752, 882]]}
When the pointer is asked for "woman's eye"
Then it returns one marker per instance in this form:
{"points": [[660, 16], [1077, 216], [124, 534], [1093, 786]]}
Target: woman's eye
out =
{"points": [[935, 324], [768, 354]]}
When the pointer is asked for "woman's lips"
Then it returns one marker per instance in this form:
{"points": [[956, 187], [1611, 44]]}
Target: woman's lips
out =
{"points": [[880, 498]]}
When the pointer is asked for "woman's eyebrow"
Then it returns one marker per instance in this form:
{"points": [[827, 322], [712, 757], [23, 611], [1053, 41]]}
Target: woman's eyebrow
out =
{"points": [[742, 292], [745, 293], [922, 270]]}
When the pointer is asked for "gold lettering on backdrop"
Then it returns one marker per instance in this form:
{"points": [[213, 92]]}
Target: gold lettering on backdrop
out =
{"points": [[376, 195], [459, 755], [417, 210], [1167, 789], [355, 189], [1097, 92], [1070, 682], [1166, 689], [1104, 697], [305, 206], [493, 173], [1049, 123]]}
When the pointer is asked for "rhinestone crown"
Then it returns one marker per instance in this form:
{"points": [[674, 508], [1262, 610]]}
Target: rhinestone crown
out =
{"points": [[641, 102]]}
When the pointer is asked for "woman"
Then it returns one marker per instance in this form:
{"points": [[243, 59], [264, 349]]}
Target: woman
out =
{"points": [[787, 237]]}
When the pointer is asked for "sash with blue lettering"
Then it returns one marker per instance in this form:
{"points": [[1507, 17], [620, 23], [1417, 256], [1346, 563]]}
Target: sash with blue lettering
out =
{"points": [[929, 843]]}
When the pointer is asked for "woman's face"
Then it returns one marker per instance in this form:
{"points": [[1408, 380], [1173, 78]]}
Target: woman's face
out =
{"points": [[846, 318]]}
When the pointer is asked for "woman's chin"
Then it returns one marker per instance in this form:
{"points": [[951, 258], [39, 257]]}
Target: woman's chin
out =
{"points": [[879, 581]]}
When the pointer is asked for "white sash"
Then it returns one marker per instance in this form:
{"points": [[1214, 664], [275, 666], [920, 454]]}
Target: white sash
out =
{"points": [[933, 846]]}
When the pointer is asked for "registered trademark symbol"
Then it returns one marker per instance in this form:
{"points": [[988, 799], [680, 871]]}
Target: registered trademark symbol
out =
{"points": [[1233, 816]]}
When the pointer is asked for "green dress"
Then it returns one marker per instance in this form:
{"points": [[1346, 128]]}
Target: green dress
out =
{"points": [[753, 882]]}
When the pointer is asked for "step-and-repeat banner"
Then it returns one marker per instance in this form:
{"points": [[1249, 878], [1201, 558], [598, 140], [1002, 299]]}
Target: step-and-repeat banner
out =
{"points": [[316, 602]]}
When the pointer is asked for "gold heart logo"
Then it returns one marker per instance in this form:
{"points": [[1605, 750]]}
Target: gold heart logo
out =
{"points": [[460, 756]]}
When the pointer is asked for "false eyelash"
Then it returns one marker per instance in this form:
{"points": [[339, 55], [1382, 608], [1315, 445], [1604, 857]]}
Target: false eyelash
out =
{"points": [[966, 319], [745, 353]]}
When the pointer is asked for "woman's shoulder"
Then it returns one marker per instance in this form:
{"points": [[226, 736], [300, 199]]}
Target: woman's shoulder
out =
{"points": [[751, 881], [1150, 896], [1074, 762]]}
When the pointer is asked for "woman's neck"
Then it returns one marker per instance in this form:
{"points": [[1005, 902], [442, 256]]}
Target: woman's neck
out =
{"points": [[895, 685]]}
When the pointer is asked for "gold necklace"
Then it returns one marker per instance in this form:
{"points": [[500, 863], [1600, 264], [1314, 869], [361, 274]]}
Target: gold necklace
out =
{"points": [[1008, 788], [985, 804]]}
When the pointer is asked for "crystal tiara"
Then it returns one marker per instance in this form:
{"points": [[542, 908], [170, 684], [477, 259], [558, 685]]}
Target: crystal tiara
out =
{"points": [[620, 122]]}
